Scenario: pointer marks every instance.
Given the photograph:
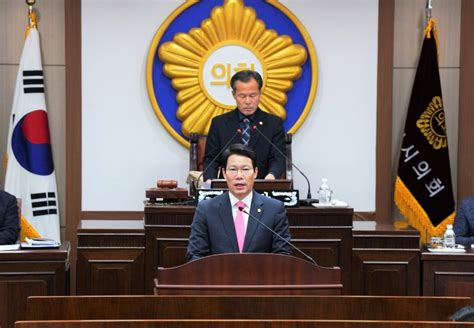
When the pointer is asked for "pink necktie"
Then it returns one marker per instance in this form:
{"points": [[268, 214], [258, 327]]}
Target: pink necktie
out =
{"points": [[240, 225]]}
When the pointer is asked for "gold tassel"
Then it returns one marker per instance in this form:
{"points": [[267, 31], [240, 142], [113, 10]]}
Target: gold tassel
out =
{"points": [[416, 215], [432, 26], [33, 23]]}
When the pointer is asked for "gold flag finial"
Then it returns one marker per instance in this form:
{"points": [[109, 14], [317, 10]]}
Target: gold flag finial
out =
{"points": [[32, 22]]}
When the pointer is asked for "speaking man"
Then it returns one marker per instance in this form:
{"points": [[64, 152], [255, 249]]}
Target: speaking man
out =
{"points": [[219, 226], [246, 90]]}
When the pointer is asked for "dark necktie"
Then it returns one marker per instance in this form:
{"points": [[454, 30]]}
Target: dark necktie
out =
{"points": [[246, 131]]}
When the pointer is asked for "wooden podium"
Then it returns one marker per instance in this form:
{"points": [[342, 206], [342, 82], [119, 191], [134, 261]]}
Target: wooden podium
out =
{"points": [[249, 274]]}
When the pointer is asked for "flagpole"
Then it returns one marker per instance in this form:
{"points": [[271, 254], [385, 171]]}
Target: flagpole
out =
{"points": [[429, 7]]}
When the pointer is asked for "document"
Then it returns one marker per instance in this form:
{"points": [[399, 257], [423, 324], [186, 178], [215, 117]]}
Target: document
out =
{"points": [[12, 247]]}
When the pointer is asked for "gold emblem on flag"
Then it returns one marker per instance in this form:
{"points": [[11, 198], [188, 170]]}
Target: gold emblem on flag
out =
{"points": [[432, 124], [197, 64]]}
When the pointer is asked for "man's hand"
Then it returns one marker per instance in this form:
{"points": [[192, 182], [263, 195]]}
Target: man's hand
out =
{"points": [[269, 176]]}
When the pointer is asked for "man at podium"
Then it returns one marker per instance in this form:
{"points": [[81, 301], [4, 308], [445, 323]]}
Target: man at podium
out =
{"points": [[245, 125], [229, 223]]}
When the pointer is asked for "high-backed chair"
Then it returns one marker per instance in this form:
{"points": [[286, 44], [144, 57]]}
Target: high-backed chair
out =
{"points": [[198, 147]]}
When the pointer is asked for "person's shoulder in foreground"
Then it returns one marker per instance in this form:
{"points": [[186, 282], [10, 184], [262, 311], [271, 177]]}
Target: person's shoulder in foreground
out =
{"points": [[464, 222], [9, 219]]}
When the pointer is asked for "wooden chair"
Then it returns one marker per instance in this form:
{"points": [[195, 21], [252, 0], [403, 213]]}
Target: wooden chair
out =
{"points": [[198, 147]]}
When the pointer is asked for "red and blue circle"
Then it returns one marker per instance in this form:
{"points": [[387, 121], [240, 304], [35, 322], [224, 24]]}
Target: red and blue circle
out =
{"points": [[31, 143]]}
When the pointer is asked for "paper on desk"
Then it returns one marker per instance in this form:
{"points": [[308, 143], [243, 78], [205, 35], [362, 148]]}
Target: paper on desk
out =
{"points": [[12, 247], [41, 241], [334, 204]]}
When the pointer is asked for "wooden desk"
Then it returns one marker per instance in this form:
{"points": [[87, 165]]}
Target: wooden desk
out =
{"points": [[237, 324], [119, 257], [324, 234], [448, 274], [110, 257], [30, 272], [385, 260], [244, 307]]}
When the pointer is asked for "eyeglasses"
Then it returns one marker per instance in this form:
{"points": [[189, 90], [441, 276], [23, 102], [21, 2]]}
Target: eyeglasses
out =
{"points": [[233, 171]]}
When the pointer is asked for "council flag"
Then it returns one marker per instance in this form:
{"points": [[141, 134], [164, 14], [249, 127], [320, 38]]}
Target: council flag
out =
{"points": [[30, 173], [423, 189]]}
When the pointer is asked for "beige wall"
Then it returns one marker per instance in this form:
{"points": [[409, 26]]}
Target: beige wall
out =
{"points": [[13, 21]]}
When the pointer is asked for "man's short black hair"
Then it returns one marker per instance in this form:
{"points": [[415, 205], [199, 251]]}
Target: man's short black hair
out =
{"points": [[245, 76], [238, 149]]}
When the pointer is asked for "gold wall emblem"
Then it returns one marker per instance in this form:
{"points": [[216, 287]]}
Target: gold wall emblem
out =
{"points": [[201, 62]]}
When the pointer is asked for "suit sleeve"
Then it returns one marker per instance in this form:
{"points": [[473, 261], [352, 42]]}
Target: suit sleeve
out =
{"points": [[198, 245], [461, 227], [10, 223], [282, 227], [213, 147], [276, 160]]}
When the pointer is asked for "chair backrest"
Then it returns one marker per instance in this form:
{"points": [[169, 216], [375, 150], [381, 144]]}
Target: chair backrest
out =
{"points": [[198, 147]]}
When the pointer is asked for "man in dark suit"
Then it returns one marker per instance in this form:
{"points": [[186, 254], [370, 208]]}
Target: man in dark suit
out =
{"points": [[9, 219], [464, 222], [219, 226], [246, 89]]}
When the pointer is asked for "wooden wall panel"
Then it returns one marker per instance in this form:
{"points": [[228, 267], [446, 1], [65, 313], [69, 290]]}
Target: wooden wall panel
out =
{"points": [[73, 127], [466, 102], [383, 198], [409, 26]]}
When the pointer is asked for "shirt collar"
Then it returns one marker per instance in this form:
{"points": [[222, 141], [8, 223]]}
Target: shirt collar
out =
{"points": [[247, 200], [242, 116]]}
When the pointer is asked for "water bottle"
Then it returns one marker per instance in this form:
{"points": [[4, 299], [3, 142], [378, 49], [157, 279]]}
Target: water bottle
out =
{"points": [[324, 193], [449, 238]]}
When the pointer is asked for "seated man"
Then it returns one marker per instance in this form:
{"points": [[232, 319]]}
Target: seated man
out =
{"points": [[9, 220], [464, 222], [220, 227], [246, 89]]}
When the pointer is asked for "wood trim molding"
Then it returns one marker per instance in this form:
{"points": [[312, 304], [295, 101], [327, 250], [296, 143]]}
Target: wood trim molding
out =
{"points": [[73, 33], [466, 103], [113, 215], [383, 166]]}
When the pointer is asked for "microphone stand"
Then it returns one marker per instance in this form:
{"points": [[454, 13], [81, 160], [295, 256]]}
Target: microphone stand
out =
{"points": [[309, 199], [215, 158], [241, 208]]}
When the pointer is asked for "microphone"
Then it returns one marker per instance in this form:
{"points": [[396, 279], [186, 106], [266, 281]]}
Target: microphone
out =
{"points": [[242, 209], [303, 202], [238, 131]]}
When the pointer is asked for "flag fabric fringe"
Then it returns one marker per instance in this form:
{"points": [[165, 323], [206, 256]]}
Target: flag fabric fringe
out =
{"points": [[416, 215]]}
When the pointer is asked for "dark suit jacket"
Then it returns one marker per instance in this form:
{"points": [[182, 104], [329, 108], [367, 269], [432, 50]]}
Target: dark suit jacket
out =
{"points": [[213, 231], [224, 127], [464, 222], [9, 221]]}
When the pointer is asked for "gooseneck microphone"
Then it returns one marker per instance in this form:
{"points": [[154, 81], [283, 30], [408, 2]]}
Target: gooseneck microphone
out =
{"points": [[305, 202], [242, 209], [238, 131]]}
